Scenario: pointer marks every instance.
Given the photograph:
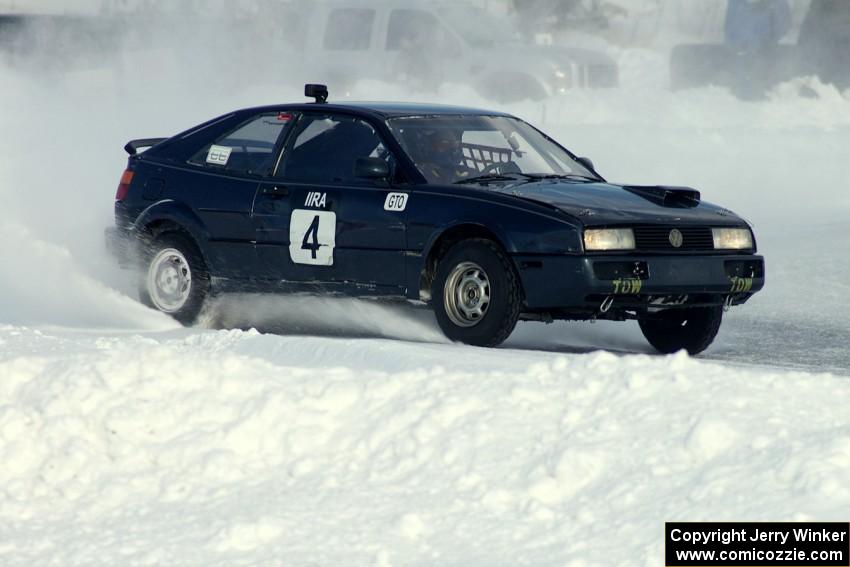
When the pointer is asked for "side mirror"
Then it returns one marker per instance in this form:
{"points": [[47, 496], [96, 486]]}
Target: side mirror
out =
{"points": [[586, 162], [371, 168]]}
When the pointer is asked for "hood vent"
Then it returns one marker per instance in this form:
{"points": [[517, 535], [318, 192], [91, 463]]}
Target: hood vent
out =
{"points": [[675, 197]]}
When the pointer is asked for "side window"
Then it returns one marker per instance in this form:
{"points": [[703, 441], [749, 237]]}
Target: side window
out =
{"points": [[349, 29], [326, 149], [247, 149], [411, 30]]}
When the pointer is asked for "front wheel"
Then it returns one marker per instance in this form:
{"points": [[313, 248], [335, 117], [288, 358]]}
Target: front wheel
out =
{"points": [[692, 329], [175, 280], [477, 297]]}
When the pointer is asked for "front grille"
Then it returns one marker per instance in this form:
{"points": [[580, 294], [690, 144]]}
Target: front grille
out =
{"points": [[657, 238]]}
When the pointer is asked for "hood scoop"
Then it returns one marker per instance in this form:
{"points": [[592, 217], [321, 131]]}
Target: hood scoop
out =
{"points": [[674, 197]]}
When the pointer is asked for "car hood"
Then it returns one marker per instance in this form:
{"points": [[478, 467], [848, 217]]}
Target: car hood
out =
{"points": [[598, 204]]}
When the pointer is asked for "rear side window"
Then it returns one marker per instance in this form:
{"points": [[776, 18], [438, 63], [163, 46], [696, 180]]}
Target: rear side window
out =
{"points": [[349, 29], [250, 148]]}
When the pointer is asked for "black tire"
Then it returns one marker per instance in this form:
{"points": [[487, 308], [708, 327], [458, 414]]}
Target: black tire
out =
{"points": [[692, 329], [198, 287], [505, 295]]}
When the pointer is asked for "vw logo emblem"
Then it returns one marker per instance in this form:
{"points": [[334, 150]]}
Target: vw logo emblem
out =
{"points": [[676, 238]]}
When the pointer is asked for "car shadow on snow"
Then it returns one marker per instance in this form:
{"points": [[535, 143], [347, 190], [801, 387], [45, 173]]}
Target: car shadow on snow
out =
{"points": [[368, 319], [742, 340], [564, 337], [322, 316]]}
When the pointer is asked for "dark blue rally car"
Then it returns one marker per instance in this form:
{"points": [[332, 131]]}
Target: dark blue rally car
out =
{"points": [[473, 212]]}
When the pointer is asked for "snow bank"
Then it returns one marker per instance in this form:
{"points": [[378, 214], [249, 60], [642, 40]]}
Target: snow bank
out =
{"points": [[225, 448]]}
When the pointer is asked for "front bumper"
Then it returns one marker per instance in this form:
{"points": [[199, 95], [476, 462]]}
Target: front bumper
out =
{"points": [[638, 281]]}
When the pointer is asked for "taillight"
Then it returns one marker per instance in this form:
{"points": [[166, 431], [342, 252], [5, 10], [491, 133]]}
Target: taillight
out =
{"points": [[124, 186]]}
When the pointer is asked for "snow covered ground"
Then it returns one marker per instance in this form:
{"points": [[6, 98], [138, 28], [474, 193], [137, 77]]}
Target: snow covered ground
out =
{"points": [[236, 448], [345, 432]]}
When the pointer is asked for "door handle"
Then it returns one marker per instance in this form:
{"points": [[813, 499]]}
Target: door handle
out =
{"points": [[276, 191]]}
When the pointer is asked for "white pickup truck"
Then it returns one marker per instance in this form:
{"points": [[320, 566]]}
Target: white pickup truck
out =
{"points": [[426, 44]]}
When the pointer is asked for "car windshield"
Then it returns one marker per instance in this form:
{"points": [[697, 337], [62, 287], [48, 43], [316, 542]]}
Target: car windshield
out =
{"points": [[469, 149]]}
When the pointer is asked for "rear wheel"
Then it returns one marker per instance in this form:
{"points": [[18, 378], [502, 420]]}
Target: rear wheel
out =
{"points": [[477, 297], [175, 280], [692, 329]]}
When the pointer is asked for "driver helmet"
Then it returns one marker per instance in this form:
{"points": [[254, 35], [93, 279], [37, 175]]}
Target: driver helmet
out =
{"points": [[445, 147]]}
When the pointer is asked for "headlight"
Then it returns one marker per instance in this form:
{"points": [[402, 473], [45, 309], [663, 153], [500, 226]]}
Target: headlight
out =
{"points": [[733, 238], [609, 239]]}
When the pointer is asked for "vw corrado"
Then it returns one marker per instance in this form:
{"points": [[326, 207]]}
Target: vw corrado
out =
{"points": [[475, 213]]}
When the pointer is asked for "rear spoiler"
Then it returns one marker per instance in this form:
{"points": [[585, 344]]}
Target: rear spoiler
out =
{"points": [[133, 146]]}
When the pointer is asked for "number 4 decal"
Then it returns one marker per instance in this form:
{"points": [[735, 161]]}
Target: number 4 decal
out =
{"points": [[312, 237]]}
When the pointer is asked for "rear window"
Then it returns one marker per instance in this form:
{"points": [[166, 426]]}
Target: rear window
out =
{"points": [[349, 29], [250, 148]]}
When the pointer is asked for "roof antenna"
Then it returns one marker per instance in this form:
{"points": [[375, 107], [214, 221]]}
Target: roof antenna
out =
{"points": [[319, 92]]}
